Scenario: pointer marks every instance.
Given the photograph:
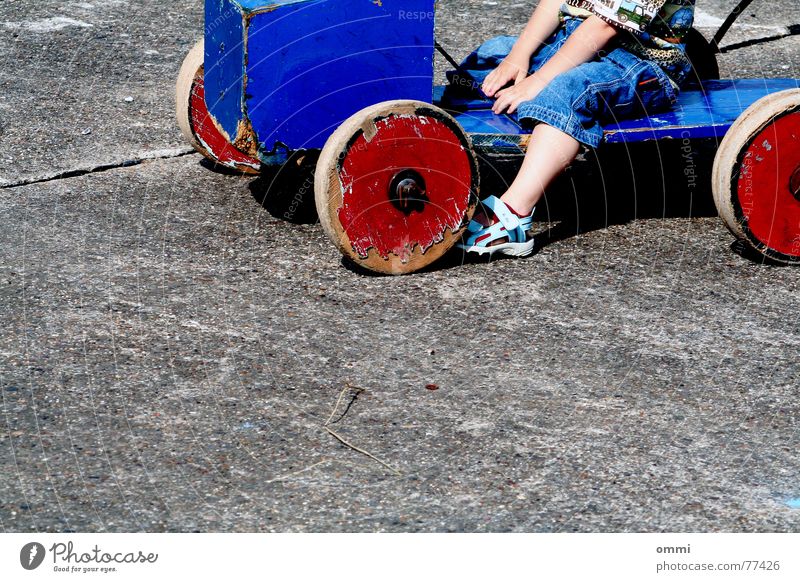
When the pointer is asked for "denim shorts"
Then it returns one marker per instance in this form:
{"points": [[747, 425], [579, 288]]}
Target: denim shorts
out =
{"points": [[613, 86]]}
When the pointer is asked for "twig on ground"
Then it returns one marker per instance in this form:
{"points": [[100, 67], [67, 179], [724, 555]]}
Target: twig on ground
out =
{"points": [[340, 438], [355, 392], [362, 451], [344, 441]]}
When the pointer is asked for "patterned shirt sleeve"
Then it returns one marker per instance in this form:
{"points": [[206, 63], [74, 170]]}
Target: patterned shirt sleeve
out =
{"points": [[632, 15]]}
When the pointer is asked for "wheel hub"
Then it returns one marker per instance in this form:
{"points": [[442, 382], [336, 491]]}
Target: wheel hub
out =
{"points": [[407, 192], [794, 184]]}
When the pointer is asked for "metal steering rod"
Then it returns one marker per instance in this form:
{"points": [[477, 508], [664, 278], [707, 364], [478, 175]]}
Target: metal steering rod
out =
{"points": [[732, 17]]}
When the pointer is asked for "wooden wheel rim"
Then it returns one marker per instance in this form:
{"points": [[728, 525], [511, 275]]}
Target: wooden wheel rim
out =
{"points": [[367, 156], [753, 173], [197, 124]]}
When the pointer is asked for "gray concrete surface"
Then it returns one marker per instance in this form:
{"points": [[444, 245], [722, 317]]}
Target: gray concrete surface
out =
{"points": [[171, 351]]}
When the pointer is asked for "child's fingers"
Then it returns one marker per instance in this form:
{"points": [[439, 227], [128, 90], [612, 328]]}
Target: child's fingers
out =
{"points": [[492, 84], [488, 87], [497, 107], [508, 100], [519, 100], [494, 80], [503, 101], [500, 77]]}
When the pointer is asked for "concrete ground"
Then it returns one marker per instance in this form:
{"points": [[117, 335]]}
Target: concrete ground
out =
{"points": [[172, 354]]}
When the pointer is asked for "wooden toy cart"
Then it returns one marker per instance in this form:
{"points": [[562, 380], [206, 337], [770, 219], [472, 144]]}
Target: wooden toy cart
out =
{"points": [[397, 178]]}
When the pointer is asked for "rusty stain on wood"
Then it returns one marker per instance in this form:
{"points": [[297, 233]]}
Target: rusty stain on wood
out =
{"points": [[246, 139]]}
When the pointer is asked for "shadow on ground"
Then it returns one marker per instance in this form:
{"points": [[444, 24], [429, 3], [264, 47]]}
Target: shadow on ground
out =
{"points": [[613, 185]]}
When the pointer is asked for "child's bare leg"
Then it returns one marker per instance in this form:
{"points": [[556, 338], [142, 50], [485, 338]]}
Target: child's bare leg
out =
{"points": [[550, 152]]}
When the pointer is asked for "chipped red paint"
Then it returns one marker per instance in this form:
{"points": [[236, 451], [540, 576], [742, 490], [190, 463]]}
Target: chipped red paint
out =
{"points": [[420, 143], [765, 198], [210, 136]]}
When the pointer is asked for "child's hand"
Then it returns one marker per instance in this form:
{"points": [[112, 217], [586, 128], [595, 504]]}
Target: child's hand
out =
{"points": [[507, 71], [509, 99]]}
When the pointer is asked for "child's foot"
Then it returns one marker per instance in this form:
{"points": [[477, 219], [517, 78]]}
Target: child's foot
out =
{"points": [[506, 232]]}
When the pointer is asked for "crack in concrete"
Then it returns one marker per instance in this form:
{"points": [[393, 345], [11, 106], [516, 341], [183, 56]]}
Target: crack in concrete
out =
{"points": [[153, 156]]}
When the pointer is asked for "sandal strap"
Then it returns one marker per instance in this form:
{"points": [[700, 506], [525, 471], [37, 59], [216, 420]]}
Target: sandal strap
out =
{"points": [[509, 225], [526, 223], [506, 218], [517, 227], [474, 226], [487, 234]]}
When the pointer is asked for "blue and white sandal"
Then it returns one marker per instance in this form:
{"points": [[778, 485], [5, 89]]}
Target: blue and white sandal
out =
{"points": [[478, 238]]}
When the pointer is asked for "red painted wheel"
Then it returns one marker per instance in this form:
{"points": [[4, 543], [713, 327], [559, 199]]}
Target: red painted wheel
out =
{"points": [[757, 177], [395, 186], [197, 125]]}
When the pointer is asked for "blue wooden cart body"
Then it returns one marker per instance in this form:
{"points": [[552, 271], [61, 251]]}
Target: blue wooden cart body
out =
{"points": [[706, 111], [282, 75]]}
